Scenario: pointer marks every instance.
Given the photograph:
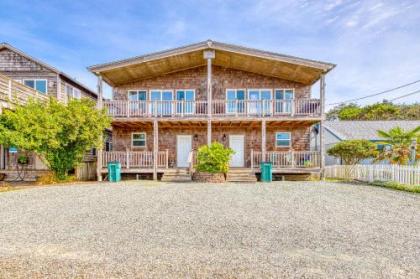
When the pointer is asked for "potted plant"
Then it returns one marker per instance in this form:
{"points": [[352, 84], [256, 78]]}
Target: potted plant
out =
{"points": [[212, 163], [23, 160]]}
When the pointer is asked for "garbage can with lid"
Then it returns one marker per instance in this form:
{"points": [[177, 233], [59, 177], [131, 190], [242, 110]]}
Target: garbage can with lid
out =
{"points": [[114, 171], [266, 172]]}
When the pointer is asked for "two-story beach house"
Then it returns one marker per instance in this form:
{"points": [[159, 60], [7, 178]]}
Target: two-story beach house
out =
{"points": [[23, 77], [167, 104]]}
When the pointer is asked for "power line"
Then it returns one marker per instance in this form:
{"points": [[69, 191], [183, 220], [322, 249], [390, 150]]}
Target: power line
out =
{"points": [[376, 94], [406, 95]]}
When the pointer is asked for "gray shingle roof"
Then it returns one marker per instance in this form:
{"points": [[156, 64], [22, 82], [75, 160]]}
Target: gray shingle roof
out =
{"points": [[347, 130]]}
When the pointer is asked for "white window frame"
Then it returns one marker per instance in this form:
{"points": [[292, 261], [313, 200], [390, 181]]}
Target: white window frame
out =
{"points": [[290, 139], [73, 90], [236, 98], [284, 105], [137, 92], [138, 133], [35, 80], [259, 96], [162, 108], [175, 98]]}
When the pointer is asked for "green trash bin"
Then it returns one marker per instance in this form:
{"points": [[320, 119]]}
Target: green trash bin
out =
{"points": [[266, 172], [114, 171]]}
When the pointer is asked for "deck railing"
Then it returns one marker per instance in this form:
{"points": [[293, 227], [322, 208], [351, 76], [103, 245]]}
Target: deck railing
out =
{"points": [[135, 159], [287, 159], [220, 108], [13, 92]]}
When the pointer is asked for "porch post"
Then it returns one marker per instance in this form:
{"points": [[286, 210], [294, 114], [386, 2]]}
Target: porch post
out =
{"points": [[321, 125], [99, 151], [209, 55], [263, 140], [155, 148], [208, 131]]}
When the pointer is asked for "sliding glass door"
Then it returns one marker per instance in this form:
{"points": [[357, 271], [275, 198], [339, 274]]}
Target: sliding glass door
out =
{"points": [[161, 102], [185, 101], [259, 101], [235, 100], [284, 100]]}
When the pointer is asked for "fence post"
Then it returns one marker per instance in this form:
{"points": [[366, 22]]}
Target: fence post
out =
{"points": [[252, 159], [167, 158]]}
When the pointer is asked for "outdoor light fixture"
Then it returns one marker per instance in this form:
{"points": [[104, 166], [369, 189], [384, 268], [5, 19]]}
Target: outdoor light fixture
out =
{"points": [[224, 137], [195, 137]]}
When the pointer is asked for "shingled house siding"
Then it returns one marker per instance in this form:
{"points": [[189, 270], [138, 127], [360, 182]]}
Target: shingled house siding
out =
{"points": [[167, 137], [223, 78]]}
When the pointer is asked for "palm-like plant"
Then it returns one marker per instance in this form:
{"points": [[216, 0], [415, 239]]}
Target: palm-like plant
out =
{"points": [[400, 141]]}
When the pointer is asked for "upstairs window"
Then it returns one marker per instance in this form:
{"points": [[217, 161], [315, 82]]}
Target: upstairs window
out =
{"points": [[138, 139], [283, 139], [73, 93], [137, 95], [37, 84], [235, 100], [283, 103]]}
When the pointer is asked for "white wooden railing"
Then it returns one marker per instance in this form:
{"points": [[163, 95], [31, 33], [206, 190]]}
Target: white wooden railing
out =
{"points": [[287, 159], [135, 159], [369, 173], [13, 92], [243, 108]]}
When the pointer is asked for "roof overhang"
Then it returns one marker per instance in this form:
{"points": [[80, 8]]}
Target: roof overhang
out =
{"points": [[282, 66]]}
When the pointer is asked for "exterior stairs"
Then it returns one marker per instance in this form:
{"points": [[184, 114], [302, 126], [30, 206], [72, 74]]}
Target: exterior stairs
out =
{"points": [[241, 175], [176, 175]]}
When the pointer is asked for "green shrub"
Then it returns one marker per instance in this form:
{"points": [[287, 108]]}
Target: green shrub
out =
{"points": [[214, 158], [397, 186]]}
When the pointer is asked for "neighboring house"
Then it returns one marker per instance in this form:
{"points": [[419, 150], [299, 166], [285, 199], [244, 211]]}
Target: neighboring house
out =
{"points": [[23, 77], [336, 131], [167, 104]]}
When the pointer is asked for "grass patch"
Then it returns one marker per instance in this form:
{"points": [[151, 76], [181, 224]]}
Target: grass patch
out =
{"points": [[397, 186]]}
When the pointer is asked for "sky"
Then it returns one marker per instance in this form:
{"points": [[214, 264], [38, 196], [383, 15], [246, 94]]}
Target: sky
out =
{"points": [[375, 44]]}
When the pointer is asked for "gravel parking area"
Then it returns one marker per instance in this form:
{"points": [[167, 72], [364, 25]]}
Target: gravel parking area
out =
{"points": [[150, 229]]}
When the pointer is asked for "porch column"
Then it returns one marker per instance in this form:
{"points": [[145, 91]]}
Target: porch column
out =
{"points": [[208, 131], [321, 124], [263, 140], [99, 151], [155, 148], [209, 55]]}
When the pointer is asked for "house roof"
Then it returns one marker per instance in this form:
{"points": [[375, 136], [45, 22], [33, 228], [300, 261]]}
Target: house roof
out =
{"points": [[349, 130], [47, 66], [227, 55]]}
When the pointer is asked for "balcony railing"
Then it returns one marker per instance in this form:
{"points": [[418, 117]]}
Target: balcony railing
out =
{"points": [[287, 159], [220, 108], [13, 92], [135, 159]]}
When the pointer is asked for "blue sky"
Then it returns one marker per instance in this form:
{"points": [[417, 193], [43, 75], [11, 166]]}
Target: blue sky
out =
{"points": [[375, 44]]}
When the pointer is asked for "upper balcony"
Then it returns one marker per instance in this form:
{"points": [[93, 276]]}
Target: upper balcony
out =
{"points": [[279, 109]]}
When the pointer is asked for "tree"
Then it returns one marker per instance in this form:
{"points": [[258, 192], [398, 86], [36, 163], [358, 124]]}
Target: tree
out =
{"points": [[380, 111], [59, 133], [399, 141], [349, 109], [353, 151], [214, 158]]}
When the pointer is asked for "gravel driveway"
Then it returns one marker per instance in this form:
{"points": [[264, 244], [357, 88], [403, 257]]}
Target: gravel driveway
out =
{"points": [[149, 229]]}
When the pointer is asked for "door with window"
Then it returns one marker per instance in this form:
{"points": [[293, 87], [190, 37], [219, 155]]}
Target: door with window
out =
{"points": [[137, 99], [235, 100], [259, 101], [185, 101], [161, 102], [283, 101]]}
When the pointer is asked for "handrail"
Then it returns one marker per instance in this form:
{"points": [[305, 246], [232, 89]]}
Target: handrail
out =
{"points": [[13, 92], [220, 108], [287, 159]]}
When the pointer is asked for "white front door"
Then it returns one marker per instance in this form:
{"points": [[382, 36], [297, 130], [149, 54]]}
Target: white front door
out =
{"points": [[237, 143], [183, 148]]}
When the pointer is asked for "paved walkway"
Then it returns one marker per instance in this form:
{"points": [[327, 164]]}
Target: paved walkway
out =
{"points": [[149, 229]]}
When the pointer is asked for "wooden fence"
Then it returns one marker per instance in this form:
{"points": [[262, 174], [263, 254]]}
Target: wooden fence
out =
{"points": [[369, 173]]}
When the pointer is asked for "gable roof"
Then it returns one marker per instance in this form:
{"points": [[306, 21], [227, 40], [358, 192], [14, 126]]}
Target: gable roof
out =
{"points": [[268, 63], [47, 66], [349, 130]]}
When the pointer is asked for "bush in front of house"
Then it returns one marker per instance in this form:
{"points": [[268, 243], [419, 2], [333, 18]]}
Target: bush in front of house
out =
{"points": [[59, 133], [353, 151], [214, 158]]}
